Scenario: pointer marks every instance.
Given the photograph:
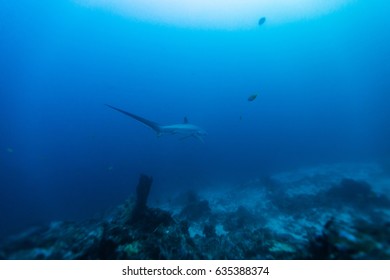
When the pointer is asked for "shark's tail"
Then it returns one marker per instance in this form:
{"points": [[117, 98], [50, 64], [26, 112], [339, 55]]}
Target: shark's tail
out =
{"points": [[155, 126]]}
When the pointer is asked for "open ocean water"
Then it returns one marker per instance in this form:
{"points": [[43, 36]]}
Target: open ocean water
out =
{"points": [[289, 157]]}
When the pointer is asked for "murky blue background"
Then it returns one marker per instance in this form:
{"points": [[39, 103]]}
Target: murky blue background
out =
{"points": [[323, 96]]}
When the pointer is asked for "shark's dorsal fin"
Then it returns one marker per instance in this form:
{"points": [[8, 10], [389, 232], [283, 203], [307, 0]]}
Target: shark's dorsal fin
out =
{"points": [[185, 120]]}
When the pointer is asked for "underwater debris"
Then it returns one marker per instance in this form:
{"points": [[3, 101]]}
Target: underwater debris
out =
{"points": [[143, 189], [261, 21], [252, 97]]}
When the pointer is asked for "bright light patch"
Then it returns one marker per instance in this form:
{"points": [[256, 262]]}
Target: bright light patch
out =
{"points": [[218, 13]]}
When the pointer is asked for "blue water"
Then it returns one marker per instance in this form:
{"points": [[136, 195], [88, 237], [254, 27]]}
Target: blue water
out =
{"points": [[323, 96]]}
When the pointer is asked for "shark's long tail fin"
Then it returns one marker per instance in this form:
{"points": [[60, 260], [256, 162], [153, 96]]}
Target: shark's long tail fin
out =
{"points": [[155, 126]]}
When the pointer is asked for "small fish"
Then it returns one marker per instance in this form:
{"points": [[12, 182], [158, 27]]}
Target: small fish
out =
{"points": [[261, 20], [252, 97]]}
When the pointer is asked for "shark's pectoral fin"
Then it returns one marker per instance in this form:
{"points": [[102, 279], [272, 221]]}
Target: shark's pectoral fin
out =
{"points": [[200, 138], [185, 137]]}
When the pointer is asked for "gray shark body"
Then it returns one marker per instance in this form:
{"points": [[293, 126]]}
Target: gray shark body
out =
{"points": [[184, 129]]}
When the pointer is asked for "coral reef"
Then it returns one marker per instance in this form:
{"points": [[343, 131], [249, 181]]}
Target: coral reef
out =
{"points": [[323, 214]]}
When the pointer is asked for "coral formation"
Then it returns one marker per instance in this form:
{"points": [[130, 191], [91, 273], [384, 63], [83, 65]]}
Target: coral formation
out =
{"points": [[143, 189], [313, 215]]}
